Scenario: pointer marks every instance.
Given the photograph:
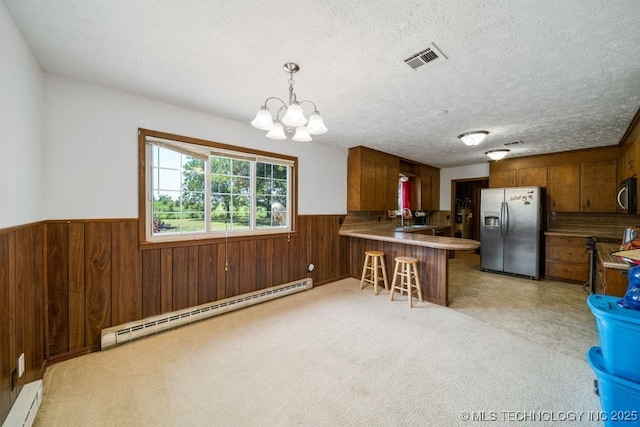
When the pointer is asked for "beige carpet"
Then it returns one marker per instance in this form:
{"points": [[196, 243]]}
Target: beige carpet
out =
{"points": [[333, 355]]}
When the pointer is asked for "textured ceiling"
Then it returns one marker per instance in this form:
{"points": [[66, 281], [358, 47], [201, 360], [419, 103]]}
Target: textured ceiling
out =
{"points": [[556, 75]]}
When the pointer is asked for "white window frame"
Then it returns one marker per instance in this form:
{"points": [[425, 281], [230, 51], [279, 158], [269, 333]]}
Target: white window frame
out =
{"points": [[204, 150]]}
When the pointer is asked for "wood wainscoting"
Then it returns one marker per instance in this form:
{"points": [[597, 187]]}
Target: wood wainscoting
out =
{"points": [[22, 307], [62, 282]]}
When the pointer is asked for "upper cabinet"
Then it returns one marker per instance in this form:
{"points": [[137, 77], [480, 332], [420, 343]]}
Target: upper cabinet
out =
{"points": [[576, 181], [372, 180], [503, 178], [598, 186], [429, 187], [564, 188], [533, 177], [628, 166]]}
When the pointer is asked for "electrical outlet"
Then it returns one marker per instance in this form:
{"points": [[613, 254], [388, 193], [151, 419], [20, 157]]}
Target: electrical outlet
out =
{"points": [[14, 379], [20, 365]]}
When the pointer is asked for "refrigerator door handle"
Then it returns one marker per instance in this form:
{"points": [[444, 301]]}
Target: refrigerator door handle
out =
{"points": [[502, 219], [506, 218]]}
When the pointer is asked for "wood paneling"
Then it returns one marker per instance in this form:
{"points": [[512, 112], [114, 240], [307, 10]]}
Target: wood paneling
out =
{"points": [[58, 288], [126, 283], [62, 282], [207, 273], [151, 270], [432, 265], [5, 329], [76, 286], [97, 258], [22, 322]]}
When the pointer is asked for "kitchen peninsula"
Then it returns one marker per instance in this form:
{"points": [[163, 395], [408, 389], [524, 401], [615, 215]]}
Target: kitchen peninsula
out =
{"points": [[432, 252]]}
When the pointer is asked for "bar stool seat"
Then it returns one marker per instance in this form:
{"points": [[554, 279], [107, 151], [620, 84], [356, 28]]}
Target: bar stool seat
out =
{"points": [[406, 269], [371, 271]]}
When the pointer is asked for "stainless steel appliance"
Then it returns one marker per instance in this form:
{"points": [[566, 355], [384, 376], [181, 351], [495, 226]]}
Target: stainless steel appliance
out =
{"points": [[627, 196], [510, 230]]}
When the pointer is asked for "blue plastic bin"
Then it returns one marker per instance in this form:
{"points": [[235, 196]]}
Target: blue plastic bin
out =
{"points": [[619, 397], [619, 334]]}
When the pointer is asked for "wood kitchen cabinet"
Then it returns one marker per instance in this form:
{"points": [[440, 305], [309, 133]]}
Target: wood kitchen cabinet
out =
{"points": [[611, 281], [429, 187], [563, 188], [503, 178], [628, 167], [598, 186], [532, 177], [566, 258], [372, 180]]}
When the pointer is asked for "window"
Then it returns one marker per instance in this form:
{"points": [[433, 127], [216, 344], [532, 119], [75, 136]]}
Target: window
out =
{"points": [[198, 189]]}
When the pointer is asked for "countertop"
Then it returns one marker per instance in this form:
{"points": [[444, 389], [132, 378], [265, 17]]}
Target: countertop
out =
{"points": [[408, 238], [605, 257]]}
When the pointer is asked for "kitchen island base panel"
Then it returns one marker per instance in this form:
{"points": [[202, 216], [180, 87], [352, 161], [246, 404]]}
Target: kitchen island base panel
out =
{"points": [[433, 265]]}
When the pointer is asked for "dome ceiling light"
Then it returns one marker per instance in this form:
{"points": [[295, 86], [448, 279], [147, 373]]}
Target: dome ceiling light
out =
{"points": [[497, 154], [473, 138]]}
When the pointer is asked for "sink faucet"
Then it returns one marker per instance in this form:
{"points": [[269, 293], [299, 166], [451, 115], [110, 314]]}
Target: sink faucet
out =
{"points": [[406, 212]]}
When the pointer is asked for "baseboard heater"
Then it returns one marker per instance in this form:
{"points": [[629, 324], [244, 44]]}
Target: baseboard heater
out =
{"points": [[25, 408], [116, 335]]}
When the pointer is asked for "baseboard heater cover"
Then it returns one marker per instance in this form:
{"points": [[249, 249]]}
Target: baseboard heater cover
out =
{"points": [[117, 335], [24, 410]]}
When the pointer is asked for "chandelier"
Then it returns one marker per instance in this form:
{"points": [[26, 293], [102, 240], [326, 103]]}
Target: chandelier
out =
{"points": [[293, 118]]}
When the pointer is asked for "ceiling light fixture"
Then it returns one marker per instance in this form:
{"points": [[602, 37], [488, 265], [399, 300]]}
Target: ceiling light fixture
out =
{"points": [[293, 118], [473, 138], [497, 154]]}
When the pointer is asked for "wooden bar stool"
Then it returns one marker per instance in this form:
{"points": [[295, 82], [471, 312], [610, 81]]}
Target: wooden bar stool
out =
{"points": [[373, 263], [406, 269]]}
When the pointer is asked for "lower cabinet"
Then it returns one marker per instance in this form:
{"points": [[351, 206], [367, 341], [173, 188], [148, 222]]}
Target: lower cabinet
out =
{"points": [[611, 281], [566, 258]]}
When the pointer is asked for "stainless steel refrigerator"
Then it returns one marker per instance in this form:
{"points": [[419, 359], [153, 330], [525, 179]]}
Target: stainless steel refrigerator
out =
{"points": [[510, 230]]}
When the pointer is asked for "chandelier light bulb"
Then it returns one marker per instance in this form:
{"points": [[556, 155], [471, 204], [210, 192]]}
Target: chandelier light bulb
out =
{"points": [[302, 134], [263, 120], [295, 116], [277, 132], [316, 124]]}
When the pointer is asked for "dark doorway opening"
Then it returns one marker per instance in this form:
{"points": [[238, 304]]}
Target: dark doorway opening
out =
{"points": [[465, 206]]}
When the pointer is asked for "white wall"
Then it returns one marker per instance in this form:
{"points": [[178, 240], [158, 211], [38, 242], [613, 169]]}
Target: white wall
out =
{"points": [[461, 172], [21, 89], [91, 151]]}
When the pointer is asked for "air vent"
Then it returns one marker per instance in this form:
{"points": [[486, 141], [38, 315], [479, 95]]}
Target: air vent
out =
{"points": [[512, 143], [430, 55]]}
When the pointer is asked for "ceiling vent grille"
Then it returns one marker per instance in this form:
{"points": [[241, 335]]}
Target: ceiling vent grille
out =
{"points": [[430, 55]]}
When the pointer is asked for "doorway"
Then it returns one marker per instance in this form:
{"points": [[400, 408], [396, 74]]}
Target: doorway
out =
{"points": [[465, 206]]}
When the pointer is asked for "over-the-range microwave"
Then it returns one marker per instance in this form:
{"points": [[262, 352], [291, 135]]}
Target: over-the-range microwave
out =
{"points": [[627, 196]]}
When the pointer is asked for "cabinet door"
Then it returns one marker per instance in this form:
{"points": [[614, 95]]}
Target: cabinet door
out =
{"points": [[429, 188], [435, 192], [628, 162], [563, 188], [499, 179], [425, 181], [598, 186], [532, 177], [393, 176]]}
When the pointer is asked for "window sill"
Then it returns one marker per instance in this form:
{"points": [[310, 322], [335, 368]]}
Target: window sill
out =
{"points": [[183, 242]]}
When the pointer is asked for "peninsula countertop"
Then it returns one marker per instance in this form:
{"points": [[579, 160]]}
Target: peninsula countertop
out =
{"points": [[409, 238]]}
